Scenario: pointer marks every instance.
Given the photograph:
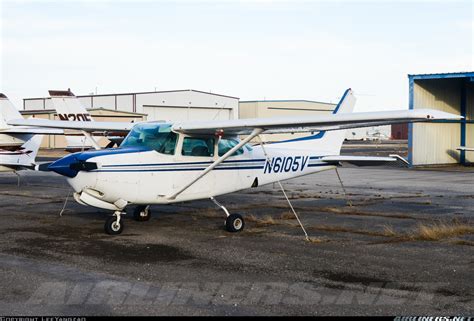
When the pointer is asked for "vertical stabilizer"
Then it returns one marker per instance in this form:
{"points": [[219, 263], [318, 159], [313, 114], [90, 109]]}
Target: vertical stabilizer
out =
{"points": [[328, 142], [69, 108], [7, 111]]}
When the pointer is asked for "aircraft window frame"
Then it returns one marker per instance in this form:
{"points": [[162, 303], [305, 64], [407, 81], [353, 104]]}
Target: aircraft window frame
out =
{"points": [[141, 135], [238, 152], [212, 150]]}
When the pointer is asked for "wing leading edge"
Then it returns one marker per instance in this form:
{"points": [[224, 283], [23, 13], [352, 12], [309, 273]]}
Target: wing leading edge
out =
{"points": [[78, 125], [319, 123]]}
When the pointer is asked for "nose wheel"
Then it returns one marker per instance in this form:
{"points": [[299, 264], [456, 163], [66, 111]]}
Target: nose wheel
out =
{"points": [[114, 225]]}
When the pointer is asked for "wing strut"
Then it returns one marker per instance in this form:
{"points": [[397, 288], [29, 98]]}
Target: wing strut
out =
{"points": [[254, 133], [91, 139]]}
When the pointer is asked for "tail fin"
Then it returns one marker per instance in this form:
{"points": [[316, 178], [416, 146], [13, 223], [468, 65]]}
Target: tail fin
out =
{"points": [[32, 147], [328, 142], [7, 111], [69, 108], [23, 157]]}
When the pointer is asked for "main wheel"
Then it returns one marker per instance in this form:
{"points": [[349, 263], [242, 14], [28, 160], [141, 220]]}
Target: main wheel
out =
{"points": [[112, 227], [234, 223], [142, 213]]}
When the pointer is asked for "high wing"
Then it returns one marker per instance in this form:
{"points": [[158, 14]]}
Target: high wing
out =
{"points": [[78, 125], [311, 123], [32, 130]]}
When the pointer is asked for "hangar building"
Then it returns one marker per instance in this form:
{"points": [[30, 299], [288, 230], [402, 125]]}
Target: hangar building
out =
{"points": [[158, 105], [436, 143]]}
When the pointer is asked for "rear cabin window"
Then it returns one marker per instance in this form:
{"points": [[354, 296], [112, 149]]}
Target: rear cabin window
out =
{"points": [[197, 146], [226, 145]]}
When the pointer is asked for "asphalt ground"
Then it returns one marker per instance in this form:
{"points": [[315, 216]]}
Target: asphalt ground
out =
{"points": [[364, 259]]}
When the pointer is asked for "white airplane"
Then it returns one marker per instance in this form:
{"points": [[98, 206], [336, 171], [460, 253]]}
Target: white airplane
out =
{"points": [[18, 145], [164, 163]]}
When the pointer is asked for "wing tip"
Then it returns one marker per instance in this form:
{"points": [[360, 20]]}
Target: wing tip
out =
{"points": [[3, 96]]}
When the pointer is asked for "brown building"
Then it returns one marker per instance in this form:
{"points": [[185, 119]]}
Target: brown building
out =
{"points": [[399, 131]]}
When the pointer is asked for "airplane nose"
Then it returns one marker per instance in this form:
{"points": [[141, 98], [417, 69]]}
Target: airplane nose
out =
{"points": [[70, 165], [63, 166]]}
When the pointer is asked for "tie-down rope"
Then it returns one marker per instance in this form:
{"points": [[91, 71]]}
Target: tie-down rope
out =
{"points": [[284, 192]]}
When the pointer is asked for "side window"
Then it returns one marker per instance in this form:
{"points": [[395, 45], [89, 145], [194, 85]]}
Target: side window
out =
{"points": [[227, 144], [196, 146], [168, 145]]}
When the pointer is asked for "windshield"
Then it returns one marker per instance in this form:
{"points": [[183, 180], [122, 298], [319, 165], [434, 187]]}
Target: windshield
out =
{"points": [[157, 136]]}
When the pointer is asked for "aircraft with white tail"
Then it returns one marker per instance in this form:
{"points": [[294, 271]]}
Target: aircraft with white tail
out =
{"points": [[69, 108], [19, 145], [164, 163]]}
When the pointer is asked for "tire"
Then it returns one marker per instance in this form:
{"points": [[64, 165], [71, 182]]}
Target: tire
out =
{"points": [[111, 227], [234, 223], [142, 213]]}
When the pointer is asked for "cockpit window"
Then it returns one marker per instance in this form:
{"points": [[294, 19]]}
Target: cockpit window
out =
{"points": [[152, 135]]}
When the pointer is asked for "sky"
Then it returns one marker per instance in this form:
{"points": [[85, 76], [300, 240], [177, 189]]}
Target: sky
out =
{"points": [[310, 50]]}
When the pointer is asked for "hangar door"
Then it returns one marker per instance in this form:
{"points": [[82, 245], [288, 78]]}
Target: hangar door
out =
{"points": [[186, 113]]}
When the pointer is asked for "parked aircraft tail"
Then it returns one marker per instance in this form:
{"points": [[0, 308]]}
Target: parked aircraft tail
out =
{"points": [[21, 158], [69, 108], [7, 111], [329, 142]]}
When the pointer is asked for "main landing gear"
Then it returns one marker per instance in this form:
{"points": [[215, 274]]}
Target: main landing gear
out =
{"points": [[142, 213], [233, 222]]}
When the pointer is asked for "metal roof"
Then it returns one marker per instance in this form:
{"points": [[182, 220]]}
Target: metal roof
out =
{"points": [[464, 74], [53, 111], [287, 101], [142, 92]]}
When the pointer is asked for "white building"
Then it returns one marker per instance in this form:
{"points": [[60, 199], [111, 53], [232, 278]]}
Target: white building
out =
{"points": [[173, 105]]}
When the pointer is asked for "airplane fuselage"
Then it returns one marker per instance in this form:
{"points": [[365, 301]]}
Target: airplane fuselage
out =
{"points": [[148, 177]]}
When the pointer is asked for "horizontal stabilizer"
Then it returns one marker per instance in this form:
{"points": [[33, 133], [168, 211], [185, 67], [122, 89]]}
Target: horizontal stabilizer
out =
{"points": [[366, 160], [467, 149]]}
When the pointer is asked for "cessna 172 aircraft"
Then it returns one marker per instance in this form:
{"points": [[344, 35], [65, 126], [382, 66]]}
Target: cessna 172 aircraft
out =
{"points": [[163, 163]]}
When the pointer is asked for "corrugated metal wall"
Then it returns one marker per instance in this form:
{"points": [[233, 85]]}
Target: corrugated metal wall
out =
{"points": [[436, 143], [169, 105]]}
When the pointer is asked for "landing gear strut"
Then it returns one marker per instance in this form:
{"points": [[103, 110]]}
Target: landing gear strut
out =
{"points": [[142, 213], [233, 222], [114, 225]]}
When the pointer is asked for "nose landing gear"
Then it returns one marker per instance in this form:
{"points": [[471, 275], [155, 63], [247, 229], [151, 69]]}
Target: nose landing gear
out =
{"points": [[114, 225]]}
